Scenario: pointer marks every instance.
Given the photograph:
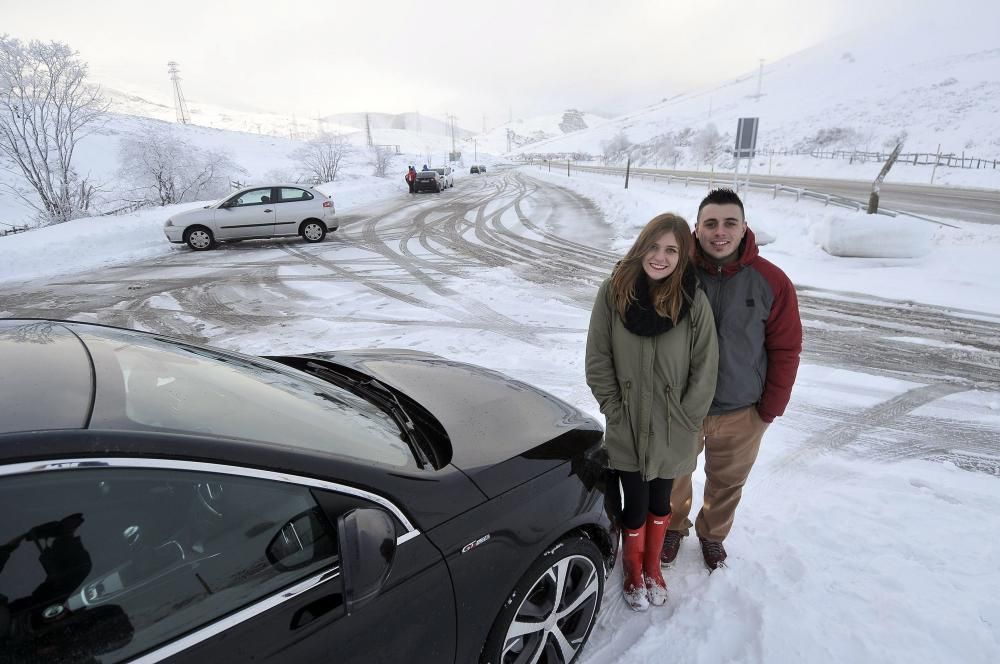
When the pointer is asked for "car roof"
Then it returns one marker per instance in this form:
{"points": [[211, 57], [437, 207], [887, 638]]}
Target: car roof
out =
{"points": [[265, 185], [48, 378]]}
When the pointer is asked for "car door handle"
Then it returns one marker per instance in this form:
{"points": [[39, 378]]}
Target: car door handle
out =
{"points": [[317, 609], [268, 210]]}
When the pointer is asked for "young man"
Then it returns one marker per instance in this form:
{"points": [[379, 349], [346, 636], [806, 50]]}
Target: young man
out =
{"points": [[760, 339]]}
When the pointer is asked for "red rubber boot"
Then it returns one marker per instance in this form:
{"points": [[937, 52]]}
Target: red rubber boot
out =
{"points": [[634, 589], [656, 587]]}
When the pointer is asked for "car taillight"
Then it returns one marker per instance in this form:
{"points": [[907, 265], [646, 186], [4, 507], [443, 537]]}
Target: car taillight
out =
{"points": [[327, 203]]}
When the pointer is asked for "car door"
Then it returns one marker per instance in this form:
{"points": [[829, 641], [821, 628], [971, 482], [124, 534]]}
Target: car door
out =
{"points": [[247, 214], [187, 562], [294, 206]]}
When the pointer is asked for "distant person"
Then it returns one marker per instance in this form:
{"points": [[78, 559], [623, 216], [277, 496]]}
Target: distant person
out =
{"points": [[411, 178], [760, 339], [425, 168], [651, 362]]}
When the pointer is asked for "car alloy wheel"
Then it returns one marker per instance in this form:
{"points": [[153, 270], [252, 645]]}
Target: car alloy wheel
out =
{"points": [[199, 238], [560, 596], [313, 231]]}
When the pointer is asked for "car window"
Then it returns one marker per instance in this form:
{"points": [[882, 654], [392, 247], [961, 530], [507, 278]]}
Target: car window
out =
{"points": [[101, 565], [290, 194], [254, 197], [440, 171], [172, 386]]}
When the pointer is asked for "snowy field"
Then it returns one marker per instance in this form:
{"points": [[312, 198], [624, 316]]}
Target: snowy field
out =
{"points": [[836, 556]]}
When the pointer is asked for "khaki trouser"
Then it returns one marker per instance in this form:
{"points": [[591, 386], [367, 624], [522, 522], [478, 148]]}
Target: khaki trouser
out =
{"points": [[731, 442]]}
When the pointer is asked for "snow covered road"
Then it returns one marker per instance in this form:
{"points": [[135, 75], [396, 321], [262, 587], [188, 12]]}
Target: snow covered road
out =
{"points": [[832, 558], [423, 262]]}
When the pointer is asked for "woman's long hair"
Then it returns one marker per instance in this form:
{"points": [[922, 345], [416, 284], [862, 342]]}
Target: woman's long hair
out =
{"points": [[667, 294]]}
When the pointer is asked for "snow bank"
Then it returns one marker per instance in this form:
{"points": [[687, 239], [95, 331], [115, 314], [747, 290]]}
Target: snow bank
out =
{"points": [[855, 235], [87, 244]]}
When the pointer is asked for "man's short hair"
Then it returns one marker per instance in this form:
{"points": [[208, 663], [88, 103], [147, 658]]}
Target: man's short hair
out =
{"points": [[722, 197]]}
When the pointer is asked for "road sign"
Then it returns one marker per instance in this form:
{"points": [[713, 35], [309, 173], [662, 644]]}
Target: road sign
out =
{"points": [[746, 138]]}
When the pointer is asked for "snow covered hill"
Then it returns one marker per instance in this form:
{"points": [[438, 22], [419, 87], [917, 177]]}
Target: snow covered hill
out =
{"points": [[160, 106], [532, 130], [931, 80], [258, 157]]}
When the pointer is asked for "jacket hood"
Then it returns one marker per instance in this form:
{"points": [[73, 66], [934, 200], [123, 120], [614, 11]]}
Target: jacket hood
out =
{"points": [[748, 253]]}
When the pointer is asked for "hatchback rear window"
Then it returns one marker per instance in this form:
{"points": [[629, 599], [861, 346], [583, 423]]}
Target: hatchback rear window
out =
{"points": [[289, 194]]}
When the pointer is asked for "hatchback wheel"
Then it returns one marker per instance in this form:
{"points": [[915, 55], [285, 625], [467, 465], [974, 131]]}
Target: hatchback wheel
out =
{"points": [[549, 615], [313, 231], [199, 238]]}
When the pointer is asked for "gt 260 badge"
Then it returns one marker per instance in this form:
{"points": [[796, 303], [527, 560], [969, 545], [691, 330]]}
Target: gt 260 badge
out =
{"points": [[472, 545]]}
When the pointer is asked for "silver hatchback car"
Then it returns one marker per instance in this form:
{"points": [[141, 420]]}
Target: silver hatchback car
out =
{"points": [[267, 211]]}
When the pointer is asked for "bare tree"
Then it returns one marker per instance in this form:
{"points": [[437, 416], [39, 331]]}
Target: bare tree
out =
{"points": [[45, 110], [320, 158], [706, 146], [616, 148], [665, 150], [162, 168], [381, 159]]}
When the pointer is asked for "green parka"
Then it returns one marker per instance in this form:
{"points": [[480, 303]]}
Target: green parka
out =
{"points": [[654, 391]]}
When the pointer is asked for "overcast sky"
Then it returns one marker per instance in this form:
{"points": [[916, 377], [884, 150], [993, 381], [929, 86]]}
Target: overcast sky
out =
{"points": [[469, 58]]}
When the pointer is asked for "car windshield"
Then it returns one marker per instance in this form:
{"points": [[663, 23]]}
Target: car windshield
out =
{"points": [[151, 383], [440, 171]]}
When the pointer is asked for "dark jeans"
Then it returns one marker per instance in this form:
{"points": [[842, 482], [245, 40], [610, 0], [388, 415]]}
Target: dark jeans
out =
{"points": [[413, 187], [643, 498]]}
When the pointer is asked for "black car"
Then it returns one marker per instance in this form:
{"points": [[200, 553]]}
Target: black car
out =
{"points": [[474, 170], [164, 501], [429, 181]]}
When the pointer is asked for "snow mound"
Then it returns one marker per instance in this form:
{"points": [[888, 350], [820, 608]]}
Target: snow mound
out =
{"points": [[762, 237], [873, 236]]}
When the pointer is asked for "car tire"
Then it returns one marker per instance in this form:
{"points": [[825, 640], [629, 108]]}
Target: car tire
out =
{"points": [[199, 238], [313, 231], [577, 562], [438, 189]]}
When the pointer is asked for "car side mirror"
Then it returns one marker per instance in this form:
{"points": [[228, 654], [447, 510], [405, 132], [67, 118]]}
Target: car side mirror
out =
{"points": [[367, 539]]}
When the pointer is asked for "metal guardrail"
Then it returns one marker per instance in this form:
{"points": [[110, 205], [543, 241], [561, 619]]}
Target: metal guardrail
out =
{"points": [[950, 159], [127, 208], [798, 192], [11, 229]]}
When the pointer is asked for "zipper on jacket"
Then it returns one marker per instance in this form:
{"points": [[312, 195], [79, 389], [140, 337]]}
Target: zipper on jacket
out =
{"points": [[668, 415], [718, 292]]}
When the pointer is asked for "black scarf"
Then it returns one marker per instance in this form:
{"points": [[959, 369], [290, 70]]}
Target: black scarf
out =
{"points": [[641, 317]]}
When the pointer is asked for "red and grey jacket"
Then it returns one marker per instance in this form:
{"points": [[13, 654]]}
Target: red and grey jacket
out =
{"points": [[760, 332]]}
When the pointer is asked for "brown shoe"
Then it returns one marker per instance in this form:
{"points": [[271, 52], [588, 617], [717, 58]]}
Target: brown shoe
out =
{"points": [[714, 553], [671, 545]]}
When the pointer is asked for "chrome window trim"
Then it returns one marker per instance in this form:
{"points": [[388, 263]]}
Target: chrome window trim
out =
{"points": [[221, 625], [212, 629], [204, 467]]}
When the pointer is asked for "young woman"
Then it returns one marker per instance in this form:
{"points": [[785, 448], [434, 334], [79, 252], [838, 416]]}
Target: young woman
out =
{"points": [[652, 359]]}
